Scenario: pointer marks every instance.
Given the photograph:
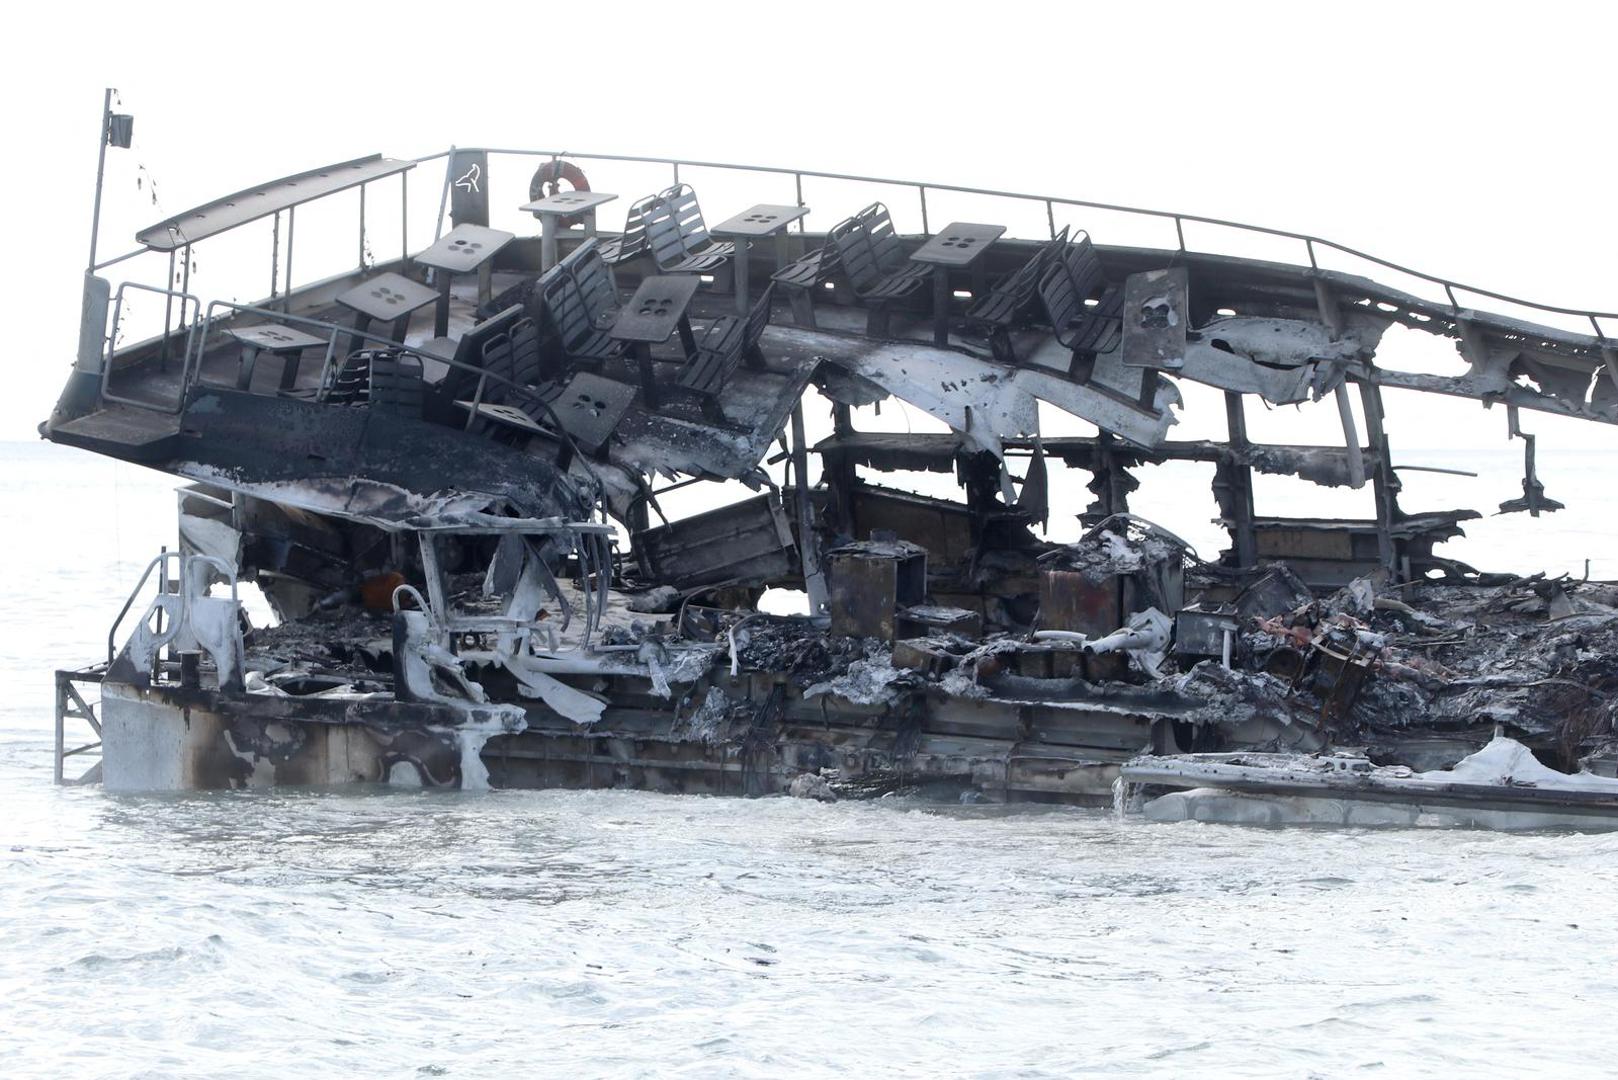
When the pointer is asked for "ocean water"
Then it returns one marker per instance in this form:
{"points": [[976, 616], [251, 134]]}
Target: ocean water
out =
{"points": [[523, 934]]}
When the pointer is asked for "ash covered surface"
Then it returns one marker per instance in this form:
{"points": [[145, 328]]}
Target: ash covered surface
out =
{"points": [[346, 640], [1108, 554], [795, 648], [1535, 656]]}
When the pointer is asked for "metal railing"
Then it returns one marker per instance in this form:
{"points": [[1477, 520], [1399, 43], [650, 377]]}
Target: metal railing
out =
{"points": [[188, 322], [162, 560], [1312, 244], [1457, 295], [71, 704]]}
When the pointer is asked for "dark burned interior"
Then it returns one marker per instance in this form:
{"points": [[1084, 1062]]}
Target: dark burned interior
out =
{"points": [[446, 473]]}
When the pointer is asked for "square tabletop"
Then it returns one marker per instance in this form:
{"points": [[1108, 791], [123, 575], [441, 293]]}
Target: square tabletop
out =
{"points": [[274, 338], [760, 220], [465, 248], [591, 407], [387, 296], [958, 244], [509, 415], [568, 202], [657, 307]]}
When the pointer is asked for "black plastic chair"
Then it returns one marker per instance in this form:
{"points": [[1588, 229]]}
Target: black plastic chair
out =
{"points": [[875, 263], [396, 383], [678, 237], [1085, 313], [722, 348], [618, 250], [803, 277], [1008, 304], [577, 308]]}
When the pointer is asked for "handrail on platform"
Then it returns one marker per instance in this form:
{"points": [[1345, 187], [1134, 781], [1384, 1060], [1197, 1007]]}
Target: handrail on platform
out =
{"points": [[1310, 242]]}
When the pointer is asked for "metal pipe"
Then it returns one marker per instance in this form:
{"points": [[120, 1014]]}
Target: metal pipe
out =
{"points": [[61, 697], [443, 196], [185, 278], [291, 225], [362, 227], [168, 319], [126, 256], [1433, 469], [101, 172], [1351, 435]]}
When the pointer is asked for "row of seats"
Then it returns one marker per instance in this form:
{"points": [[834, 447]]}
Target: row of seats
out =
{"points": [[1066, 279]]}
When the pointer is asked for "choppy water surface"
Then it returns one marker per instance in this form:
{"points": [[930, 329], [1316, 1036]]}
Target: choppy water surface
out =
{"points": [[614, 933]]}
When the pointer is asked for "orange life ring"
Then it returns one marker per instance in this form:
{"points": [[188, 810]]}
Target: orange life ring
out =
{"points": [[547, 182]]}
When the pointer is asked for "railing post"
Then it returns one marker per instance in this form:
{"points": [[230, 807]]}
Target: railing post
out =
{"points": [[926, 231], [291, 226], [404, 220], [1179, 231], [1449, 292], [1050, 218], [168, 318], [798, 179], [1309, 245], [61, 719], [185, 275], [275, 256], [362, 227], [443, 196]]}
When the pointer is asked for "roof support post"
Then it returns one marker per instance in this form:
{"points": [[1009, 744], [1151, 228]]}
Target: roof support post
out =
{"points": [[1351, 436], [1330, 313], [814, 581], [838, 473], [1240, 478], [1384, 482]]}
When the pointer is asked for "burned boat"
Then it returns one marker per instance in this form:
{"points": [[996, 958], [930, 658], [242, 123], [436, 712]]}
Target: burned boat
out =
{"points": [[450, 472]]}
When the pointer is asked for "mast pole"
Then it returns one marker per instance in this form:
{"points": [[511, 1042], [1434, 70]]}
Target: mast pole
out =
{"points": [[101, 170]]}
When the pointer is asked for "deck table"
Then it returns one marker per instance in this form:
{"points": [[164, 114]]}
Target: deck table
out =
{"points": [[957, 245], [757, 222], [590, 407], [282, 341], [653, 315], [390, 298], [463, 250], [564, 204]]}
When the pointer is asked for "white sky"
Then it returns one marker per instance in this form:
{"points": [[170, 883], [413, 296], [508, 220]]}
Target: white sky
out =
{"points": [[1475, 141]]}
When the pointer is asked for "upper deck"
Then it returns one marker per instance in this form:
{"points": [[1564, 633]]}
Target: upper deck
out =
{"points": [[511, 356]]}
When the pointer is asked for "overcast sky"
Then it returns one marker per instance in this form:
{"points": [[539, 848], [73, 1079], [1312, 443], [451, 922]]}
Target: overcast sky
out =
{"points": [[1458, 139]]}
